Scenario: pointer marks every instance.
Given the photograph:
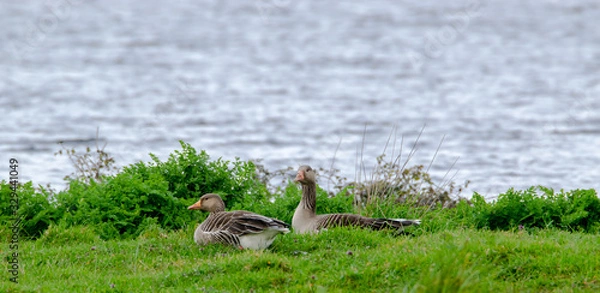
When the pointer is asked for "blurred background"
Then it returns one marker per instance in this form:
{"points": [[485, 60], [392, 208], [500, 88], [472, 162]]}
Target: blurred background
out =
{"points": [[508, 90]]}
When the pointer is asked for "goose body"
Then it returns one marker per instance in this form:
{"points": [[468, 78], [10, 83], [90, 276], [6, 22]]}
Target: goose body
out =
{"points": [[306, 220], [238, 228]]}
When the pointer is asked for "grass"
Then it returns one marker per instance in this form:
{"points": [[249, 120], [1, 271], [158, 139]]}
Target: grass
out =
{"points": [[130, 232], [339, 260]]}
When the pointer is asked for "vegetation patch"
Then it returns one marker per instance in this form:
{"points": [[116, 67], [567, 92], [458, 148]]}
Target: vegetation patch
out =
{"points": [[339, 260], [130, 231]]}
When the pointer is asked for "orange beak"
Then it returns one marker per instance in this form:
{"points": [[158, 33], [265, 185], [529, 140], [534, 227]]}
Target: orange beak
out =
{"points": [[196, 206], [299, 176]]}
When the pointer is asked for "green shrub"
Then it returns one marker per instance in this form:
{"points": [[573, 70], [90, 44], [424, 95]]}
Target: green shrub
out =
{"points": [[580, 210], [35, 211], [190, 174], [539, 208], [342, 202], [118, 206], [147, 198]]}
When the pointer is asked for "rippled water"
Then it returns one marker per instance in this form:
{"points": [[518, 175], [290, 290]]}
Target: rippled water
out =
{"points": [[512, 86]]}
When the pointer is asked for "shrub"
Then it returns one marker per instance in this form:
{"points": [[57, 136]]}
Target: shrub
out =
{"points": [[190, 174], [118, 206], [35, 211], [539, 207], [148, 198]]}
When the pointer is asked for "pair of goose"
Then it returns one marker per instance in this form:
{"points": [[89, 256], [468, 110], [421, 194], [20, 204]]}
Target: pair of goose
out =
{"points": [[253, 231]]}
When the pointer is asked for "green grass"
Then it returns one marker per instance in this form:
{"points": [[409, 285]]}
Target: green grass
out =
{"points": [[339, 260], [130, 232]]}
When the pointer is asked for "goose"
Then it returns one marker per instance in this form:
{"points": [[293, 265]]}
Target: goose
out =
{"points": [[242, 229], [305, 219]]}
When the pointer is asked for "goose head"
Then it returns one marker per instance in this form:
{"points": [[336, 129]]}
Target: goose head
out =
{"points": [[306, 175], [209, 202]]}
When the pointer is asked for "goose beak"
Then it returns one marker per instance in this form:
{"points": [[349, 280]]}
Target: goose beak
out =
{"points": [[196, 206], [299, 176]]}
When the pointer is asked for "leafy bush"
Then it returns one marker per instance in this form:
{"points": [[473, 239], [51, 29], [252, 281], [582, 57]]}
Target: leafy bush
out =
{"points": [[148, 198], [35, 211], [118, 206], [190, 174], [541, 208]]}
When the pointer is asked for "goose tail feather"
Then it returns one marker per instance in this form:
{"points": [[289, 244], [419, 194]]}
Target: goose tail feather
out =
{"points": [[394, 223]]}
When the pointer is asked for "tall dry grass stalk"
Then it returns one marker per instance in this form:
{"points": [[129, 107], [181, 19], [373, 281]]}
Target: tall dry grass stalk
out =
{"points": [[394, 181]]}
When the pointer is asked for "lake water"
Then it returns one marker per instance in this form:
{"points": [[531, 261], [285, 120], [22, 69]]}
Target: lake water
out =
{"points": [[511, 86]]}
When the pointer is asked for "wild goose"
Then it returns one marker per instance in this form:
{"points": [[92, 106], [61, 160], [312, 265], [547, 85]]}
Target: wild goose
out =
{"points": [[238, 228], [305, 219]]}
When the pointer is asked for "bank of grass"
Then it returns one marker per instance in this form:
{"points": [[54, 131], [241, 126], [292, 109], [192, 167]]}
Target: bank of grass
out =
{"points": [[338, 260], [131, 232]]}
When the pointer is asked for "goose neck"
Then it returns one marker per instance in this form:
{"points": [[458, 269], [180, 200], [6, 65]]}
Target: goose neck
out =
{"points": [[309, 197]]}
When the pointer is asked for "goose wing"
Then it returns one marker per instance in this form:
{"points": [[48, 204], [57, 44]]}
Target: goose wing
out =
{"points": [[241, 223], [336, 220], [383, 223], [333, 220]]}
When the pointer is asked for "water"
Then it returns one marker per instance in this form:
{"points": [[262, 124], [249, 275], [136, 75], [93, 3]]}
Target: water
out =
{"points": [[512, 86]]}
